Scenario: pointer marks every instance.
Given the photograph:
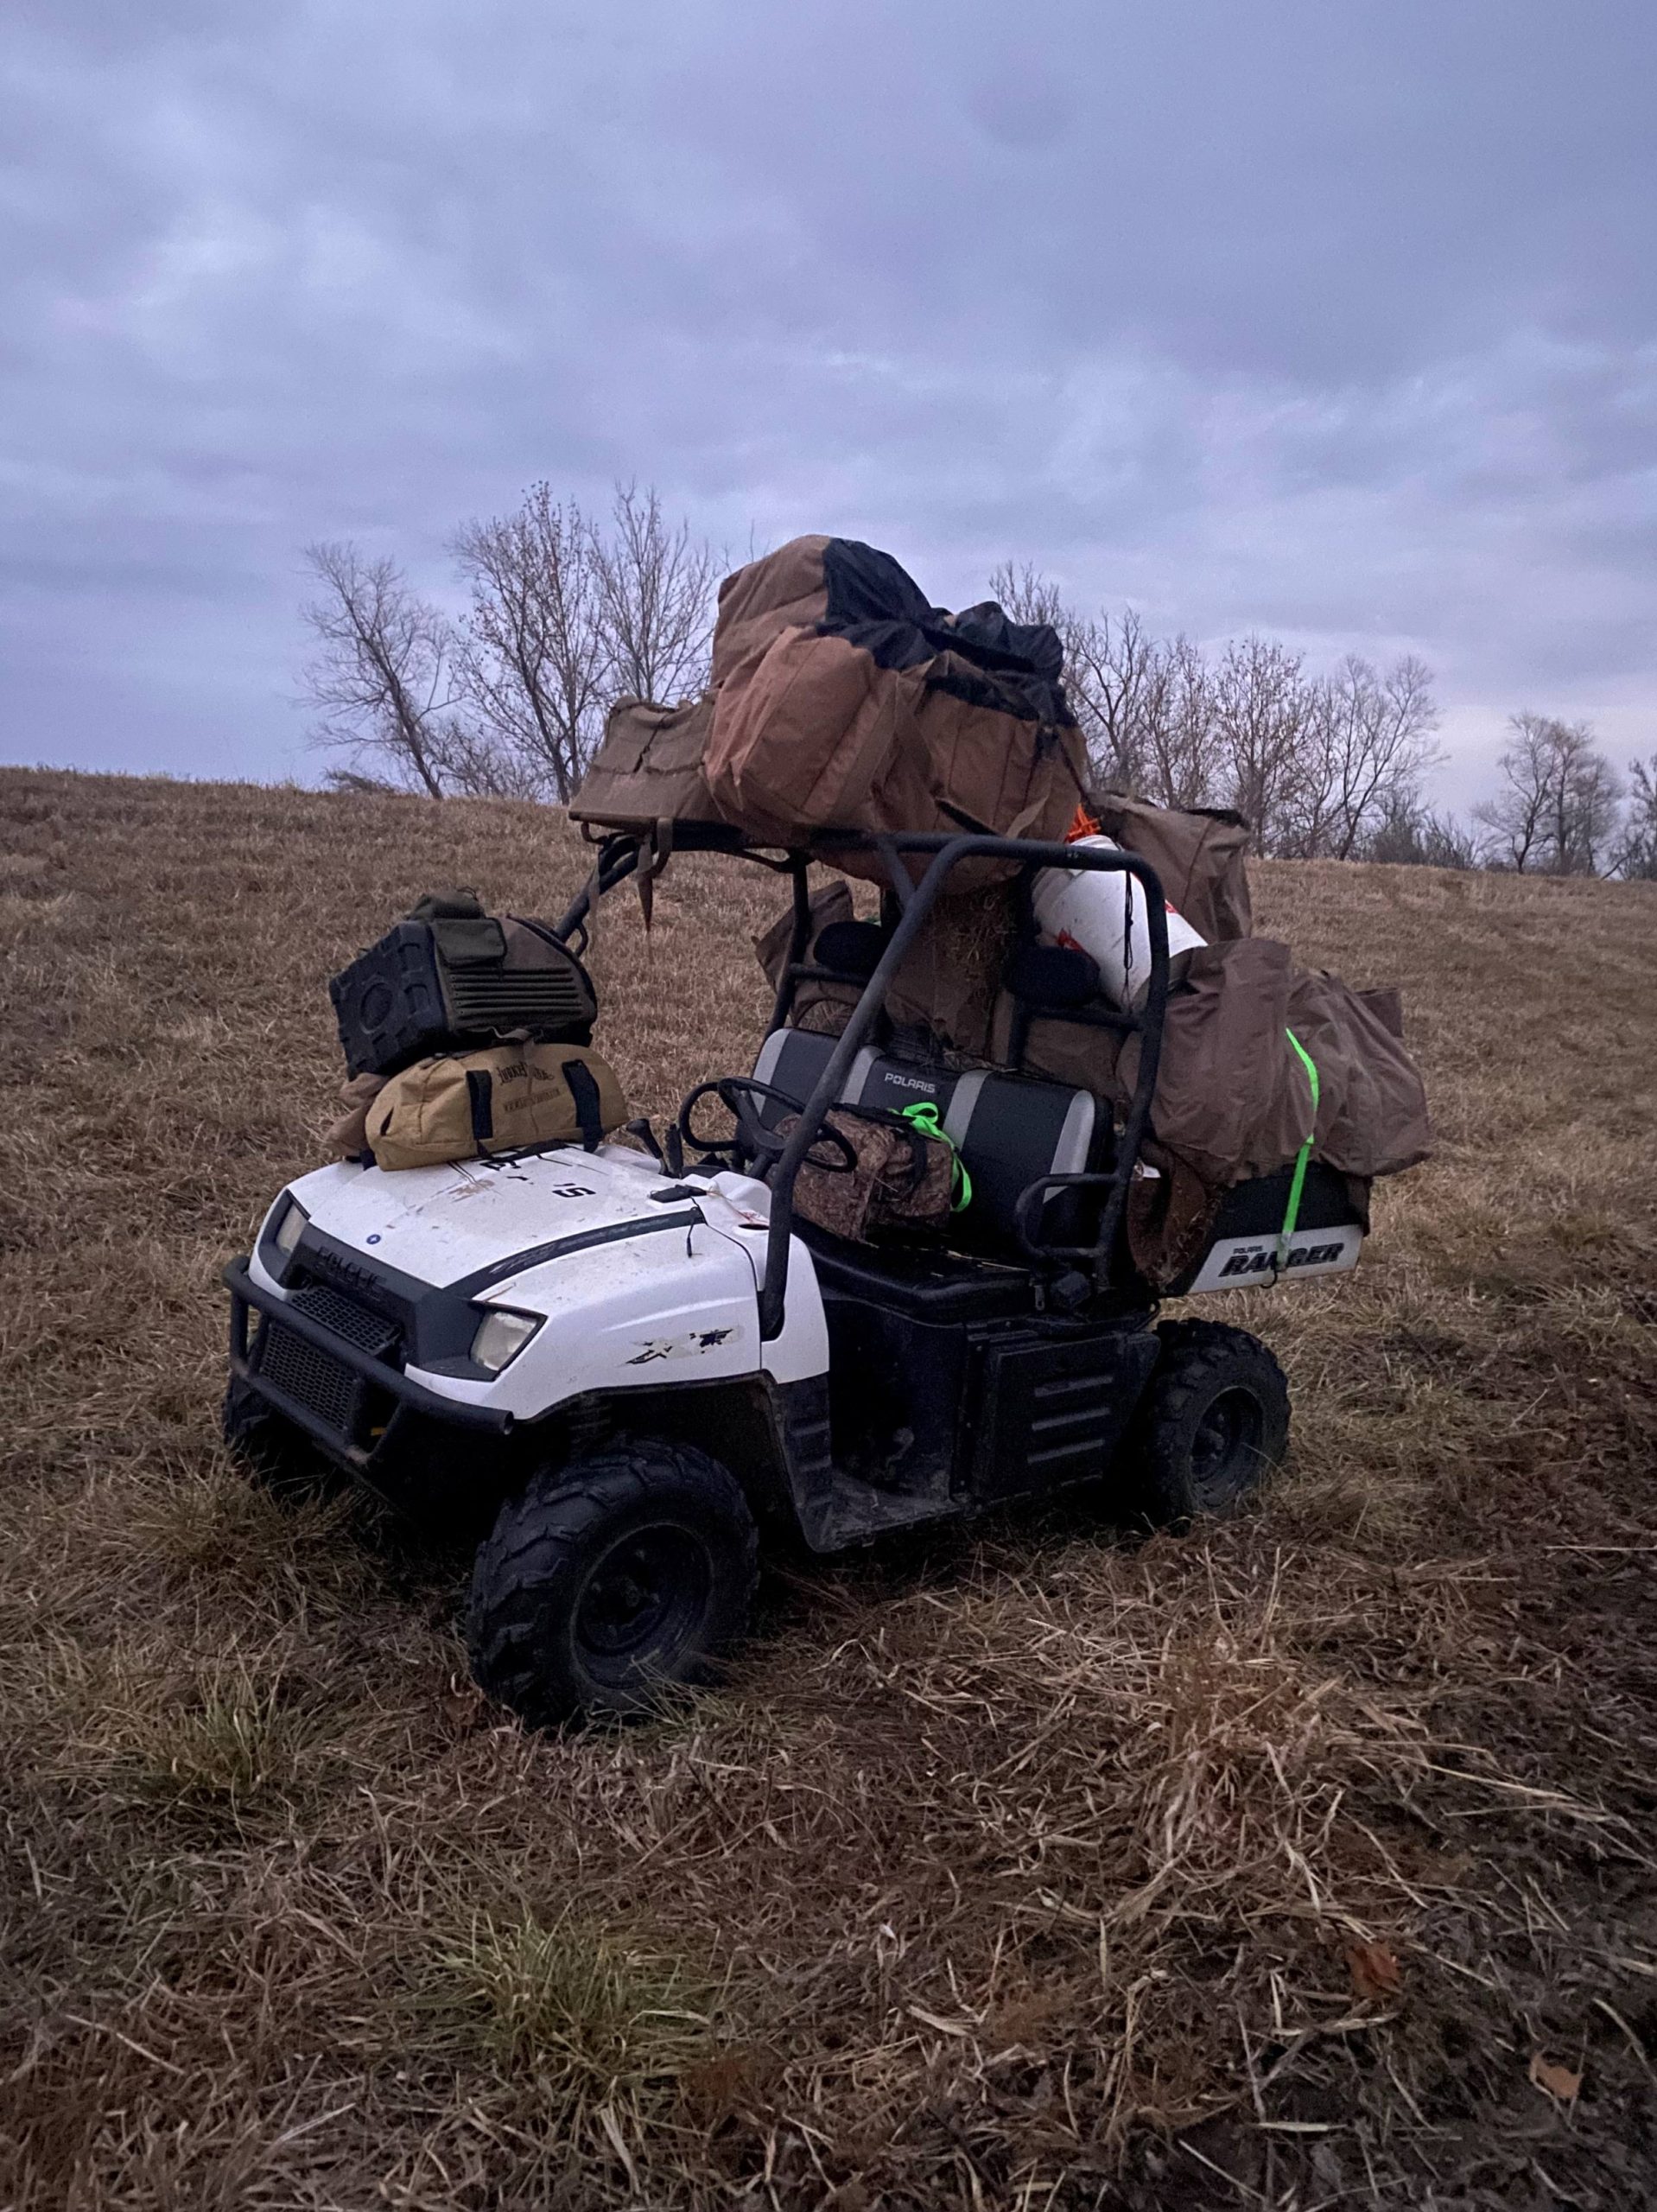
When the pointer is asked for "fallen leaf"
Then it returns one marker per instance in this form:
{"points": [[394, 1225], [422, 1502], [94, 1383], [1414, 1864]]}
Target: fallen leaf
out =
{"points": [[1375, 1971], [1561, 2081]]}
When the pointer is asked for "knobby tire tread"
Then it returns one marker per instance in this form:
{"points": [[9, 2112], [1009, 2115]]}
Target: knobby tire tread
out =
{"points": [[518, 1564], [1195, 1354]]}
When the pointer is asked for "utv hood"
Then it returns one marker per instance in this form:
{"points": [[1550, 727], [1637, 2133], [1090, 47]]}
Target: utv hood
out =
{"points": [[446, 1225]]}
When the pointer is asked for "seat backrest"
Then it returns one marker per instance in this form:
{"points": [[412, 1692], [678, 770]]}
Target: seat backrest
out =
{"points": [[790, 1060], [1009, 1129]]}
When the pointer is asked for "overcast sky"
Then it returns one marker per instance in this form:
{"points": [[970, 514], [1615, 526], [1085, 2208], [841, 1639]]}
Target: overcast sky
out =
{"points": [[1336, 319]]}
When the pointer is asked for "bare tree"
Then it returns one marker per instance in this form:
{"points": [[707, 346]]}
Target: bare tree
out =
{"points": [[1122, 677], [564, 617], [1635, 857], [655, 595], [383, 679], [1514, 816], [1028, 596], [536, 656], [1596, 807], [1177, 738], [1262, 707], [1366, 744], [1316, 765], [1113, 674], [1557, 807]]}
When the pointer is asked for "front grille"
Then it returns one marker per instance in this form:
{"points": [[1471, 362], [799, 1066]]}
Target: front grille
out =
{"points": [[325, 1386], [343, 1317]]}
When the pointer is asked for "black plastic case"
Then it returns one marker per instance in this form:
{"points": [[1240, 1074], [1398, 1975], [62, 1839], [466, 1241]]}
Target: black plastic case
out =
{"points": [[451, 986]]}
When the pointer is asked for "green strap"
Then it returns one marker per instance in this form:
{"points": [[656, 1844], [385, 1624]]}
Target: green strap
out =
{"points": [[924, 1116], [1292, 1211]]}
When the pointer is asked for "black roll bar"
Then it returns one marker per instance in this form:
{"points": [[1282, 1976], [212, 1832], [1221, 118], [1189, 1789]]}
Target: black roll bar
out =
{"points": [[620, 855], [948, 854], [618, 859]]}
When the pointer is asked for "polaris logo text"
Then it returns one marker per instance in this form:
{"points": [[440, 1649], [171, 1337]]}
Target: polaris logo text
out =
{"points": [[1260, 1260], [342, 1270]]}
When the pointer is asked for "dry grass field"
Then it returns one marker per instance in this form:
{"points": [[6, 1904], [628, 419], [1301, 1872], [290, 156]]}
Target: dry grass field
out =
{"points": [[1308, 1861]]}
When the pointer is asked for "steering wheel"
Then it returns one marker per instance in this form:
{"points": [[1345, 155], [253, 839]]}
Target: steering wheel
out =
{"points": [[751, 1146]]}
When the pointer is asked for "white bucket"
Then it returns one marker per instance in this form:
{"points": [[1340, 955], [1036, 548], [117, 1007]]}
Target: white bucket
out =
{"points": [[1102, 911]]}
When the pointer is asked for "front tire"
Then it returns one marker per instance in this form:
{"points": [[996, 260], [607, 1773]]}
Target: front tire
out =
{"points": [[1214, 1421], [607, 1581]]}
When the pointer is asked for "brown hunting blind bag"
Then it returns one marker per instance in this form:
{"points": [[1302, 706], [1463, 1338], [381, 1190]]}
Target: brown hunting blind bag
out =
{"points": [[507, 1098], [842, 699]]}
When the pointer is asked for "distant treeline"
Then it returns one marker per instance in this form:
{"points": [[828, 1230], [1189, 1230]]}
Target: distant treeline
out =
{"points": [[568, 612]]}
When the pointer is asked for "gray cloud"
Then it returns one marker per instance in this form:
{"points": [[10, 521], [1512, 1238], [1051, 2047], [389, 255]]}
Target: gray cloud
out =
{"points": [[1338, 321]]}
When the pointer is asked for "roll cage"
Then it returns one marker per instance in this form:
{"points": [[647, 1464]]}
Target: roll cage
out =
{"points": [[906, 905]]}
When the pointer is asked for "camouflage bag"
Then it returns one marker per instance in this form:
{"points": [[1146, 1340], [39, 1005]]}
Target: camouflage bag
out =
{"points": [[907, 1177]]}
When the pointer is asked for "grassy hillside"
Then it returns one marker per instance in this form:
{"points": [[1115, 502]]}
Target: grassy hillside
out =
{"points": [[1307, 1861]]}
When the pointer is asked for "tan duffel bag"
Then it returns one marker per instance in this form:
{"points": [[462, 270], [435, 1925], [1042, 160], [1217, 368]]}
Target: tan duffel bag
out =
{"points": [[507, 1098]]}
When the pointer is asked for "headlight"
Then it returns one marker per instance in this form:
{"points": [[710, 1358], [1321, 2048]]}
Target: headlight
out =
{"points": [[290, 1228], [501, 1336]]}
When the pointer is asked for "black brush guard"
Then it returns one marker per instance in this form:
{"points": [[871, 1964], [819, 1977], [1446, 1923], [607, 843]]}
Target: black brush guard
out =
{"points": [[641, 855], [369, 1372]]}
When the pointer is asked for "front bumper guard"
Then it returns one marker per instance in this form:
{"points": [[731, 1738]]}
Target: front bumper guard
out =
{"points": [[244, 1293]]}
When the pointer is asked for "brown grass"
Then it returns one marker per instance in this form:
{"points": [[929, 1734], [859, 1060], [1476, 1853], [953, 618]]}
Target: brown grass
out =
{"points": [[1029, 1868]]}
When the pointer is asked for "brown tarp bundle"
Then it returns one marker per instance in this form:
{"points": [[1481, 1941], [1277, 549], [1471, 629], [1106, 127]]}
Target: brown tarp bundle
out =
{"points": [[1198, 854], [842, 699], [1233, 1097], [784, 590]]}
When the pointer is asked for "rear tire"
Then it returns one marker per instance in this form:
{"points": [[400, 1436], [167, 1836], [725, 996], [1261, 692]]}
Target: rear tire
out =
{"points": [[1214, 1421], [270, 1453], [609, 1580]]}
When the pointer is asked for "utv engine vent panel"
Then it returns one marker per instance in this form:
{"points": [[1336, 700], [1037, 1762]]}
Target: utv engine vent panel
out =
{"points": [[544, 1002], [324, 1386], [343, 1317]]}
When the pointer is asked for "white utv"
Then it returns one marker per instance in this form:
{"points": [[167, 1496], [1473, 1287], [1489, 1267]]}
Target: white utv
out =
{"points": [[628, 1368]]}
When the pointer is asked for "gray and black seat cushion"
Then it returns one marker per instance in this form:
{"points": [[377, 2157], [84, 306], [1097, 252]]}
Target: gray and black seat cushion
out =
{"points": [[1009, 1129]]}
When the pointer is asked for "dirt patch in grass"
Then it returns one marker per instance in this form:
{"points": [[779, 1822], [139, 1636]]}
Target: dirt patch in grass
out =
{"points": [[1306, 1861]]}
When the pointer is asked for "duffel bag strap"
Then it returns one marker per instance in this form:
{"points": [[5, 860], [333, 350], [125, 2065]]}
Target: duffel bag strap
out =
{"points": [[924, 1115], [1297, 1181], [584, 1095]]}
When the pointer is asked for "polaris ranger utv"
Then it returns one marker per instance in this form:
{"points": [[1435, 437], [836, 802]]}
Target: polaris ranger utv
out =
{"points": [[634, 1363]]}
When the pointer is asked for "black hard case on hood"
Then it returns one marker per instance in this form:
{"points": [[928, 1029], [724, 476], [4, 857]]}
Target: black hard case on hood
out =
{"points": [[457, 981]]}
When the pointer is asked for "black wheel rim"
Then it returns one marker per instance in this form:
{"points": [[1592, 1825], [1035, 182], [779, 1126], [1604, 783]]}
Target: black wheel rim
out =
{"points": [[644, 1601], [1226, 1454]]}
